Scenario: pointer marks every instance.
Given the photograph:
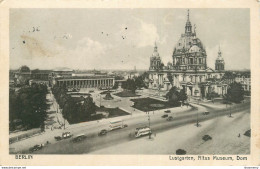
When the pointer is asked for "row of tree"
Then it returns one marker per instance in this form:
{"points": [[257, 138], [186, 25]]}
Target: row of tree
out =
{"points": [[28, 107], [176, 97], [74, 109], [136, 82], [235, 93]]}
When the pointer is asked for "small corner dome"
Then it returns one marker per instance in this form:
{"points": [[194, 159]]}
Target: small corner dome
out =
{"points": [[155, 54], [220, 58]]}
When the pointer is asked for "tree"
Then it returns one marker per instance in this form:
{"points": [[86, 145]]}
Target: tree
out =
{"points": [[183, 96], [71, 110], [29, 105], [139, 82], [235, 92], [228, 75], [173, 96], [89, 107], [115, 86], [129, 85], [74, 111], [170, 78]]}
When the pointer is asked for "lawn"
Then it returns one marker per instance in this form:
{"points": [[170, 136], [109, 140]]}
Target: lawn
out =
{"points": [[113, 112], [105, 92], [149, 104], [126, 93]]}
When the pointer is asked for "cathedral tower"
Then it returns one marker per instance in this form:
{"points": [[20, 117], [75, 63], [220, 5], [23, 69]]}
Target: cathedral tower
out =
{"points": [[189, 52], [219, 64], [155, 59]]}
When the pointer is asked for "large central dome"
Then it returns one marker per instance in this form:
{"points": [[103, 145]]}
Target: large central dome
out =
{"points": [[186, 42], [189, 52]]}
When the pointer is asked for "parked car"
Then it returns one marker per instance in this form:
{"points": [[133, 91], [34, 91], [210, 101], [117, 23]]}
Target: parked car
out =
{"points": [[170, 118], [66, 135], [79, 138], [35, 148], [165, 115], [58, 138], [102, 132], [205, 113], [167, 111]]}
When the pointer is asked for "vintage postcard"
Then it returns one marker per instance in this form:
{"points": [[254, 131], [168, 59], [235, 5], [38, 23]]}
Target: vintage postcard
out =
{"points": [[130, 83]]}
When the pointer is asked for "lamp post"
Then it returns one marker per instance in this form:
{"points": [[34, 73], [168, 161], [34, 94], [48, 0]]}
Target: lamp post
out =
{"points": [[64, 123], [100, 100], [197, 124], [148, 113], [230, 109]]}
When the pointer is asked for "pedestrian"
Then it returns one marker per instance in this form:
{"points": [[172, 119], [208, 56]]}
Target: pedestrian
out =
{"points": [[239, 135]]}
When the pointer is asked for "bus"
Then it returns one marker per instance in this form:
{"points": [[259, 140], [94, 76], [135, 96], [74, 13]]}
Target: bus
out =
{"points": [[142, 131], [117, 124]]}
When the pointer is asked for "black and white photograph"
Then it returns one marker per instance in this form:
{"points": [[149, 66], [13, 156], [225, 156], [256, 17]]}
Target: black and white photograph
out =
{"points": [[172, 81]]}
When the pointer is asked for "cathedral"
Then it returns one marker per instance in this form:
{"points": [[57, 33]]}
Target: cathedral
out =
{"points": [[188, 69]]}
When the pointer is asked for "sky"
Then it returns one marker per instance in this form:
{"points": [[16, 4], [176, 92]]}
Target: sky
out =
{"points": [[122, 38]]}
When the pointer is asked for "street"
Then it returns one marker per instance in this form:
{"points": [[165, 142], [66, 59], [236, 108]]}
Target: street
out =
{"points": [[158, 124]]}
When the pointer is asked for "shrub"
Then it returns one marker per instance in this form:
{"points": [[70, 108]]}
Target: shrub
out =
{"points": [[180, 152]]}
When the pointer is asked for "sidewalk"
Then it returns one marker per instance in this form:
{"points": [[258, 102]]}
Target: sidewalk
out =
{"points": [[54, 107]]}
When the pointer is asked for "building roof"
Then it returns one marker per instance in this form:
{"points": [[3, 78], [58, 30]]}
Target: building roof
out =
{"points": [[37, 71], [63, 69], [84, 77]]}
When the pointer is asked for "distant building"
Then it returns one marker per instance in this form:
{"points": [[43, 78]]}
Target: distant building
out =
{"points": [[85, 81], [242, 77]]}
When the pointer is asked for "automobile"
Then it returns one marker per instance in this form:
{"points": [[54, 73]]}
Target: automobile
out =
{"points": [[206, 138], [167, 111], [35, 148], [102, 132], [58, 138], [142, 131], [79, 138], [125, 125], [165, 115], [66, 135], [205, 113], [170, 118]]}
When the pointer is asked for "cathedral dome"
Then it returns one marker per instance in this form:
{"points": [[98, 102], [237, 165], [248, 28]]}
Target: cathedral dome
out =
{"points": [[186, 42], [194, 49], [24, 69]]}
